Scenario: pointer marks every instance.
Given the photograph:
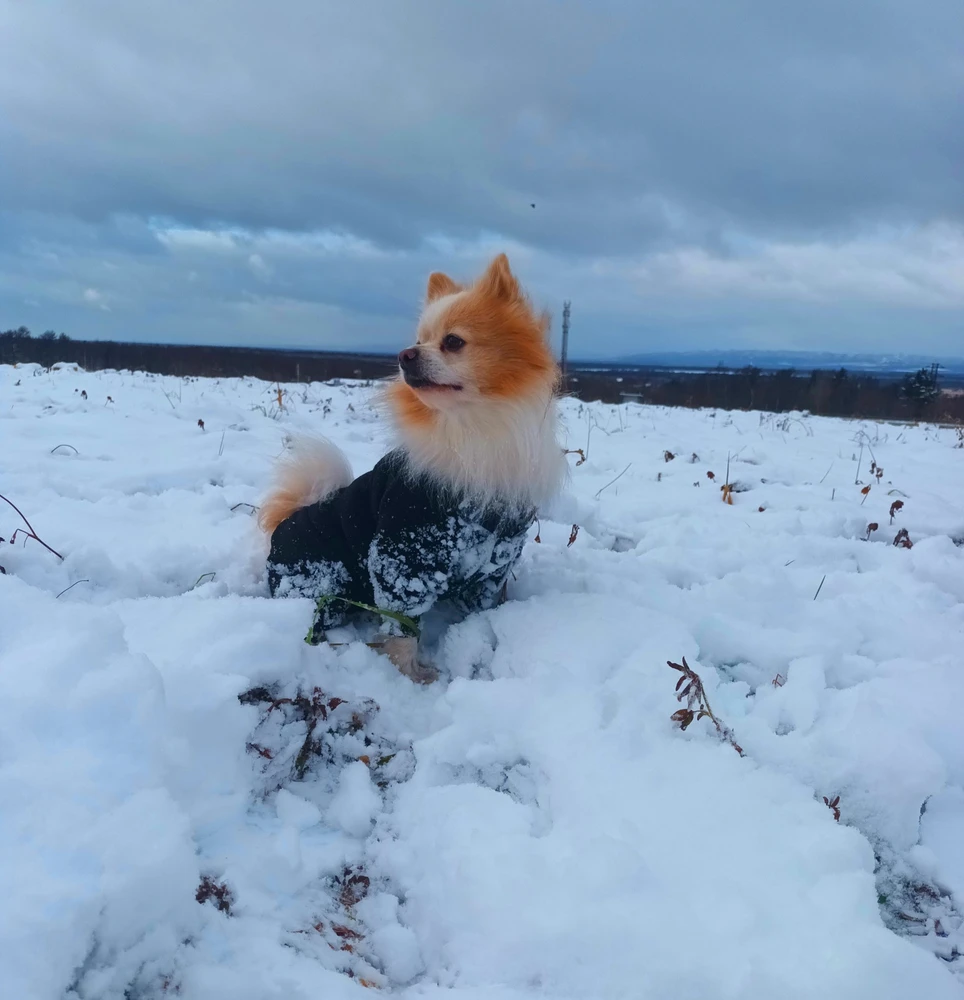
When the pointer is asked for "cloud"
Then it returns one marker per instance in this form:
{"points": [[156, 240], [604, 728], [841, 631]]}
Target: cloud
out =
{"points": [[95, 298], [922, 268], [749, 158], [259, 268]]}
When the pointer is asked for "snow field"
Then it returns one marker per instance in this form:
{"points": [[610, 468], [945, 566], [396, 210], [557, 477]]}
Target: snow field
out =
{"points": [[532, 824]]}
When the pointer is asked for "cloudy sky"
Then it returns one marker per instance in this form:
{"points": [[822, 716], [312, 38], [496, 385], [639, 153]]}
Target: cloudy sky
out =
{"points": [[704, 174]]}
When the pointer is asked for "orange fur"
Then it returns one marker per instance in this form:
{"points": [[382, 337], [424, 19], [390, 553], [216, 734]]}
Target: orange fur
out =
{"points": [[507, 346], [409, 409], [277, 508], [438, 285]]}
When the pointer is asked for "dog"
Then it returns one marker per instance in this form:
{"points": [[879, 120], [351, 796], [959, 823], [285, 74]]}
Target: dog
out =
{"points": [[442, 518]]}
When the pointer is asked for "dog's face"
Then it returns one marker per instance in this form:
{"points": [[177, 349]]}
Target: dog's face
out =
{"points": [[477, 343]]}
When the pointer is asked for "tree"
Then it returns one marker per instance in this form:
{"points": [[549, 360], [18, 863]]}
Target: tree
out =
{"points": [[921, 388], [48, 335]]}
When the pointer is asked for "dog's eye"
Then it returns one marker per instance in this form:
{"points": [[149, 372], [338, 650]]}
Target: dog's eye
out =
{"points": [[450, 342]]}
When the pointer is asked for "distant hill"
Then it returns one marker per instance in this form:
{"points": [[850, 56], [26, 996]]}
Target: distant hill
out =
{"points": [[801, 360]]}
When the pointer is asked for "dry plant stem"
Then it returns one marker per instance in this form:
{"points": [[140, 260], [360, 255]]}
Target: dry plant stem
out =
{"points": [[727, 488], [30, 532], [690, 687], [611, 481]]}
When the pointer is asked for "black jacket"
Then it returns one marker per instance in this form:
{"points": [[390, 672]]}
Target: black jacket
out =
{"points": [[396, 541]]}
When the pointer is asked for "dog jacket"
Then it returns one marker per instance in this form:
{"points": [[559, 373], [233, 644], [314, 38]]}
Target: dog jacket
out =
{"points": [[395, 540]]}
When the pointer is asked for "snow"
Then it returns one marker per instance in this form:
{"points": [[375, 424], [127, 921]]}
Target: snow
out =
{"points": [[355, 804], [533, 824]]}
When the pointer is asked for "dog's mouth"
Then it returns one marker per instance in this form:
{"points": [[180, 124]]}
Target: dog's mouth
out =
{"points": [[418, 382]]}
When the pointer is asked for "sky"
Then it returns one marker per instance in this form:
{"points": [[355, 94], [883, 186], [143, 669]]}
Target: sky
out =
{"points": [[755, 174]]}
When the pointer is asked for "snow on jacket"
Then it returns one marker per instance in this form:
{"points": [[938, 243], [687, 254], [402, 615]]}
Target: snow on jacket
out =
{"points": [[396, 540]]}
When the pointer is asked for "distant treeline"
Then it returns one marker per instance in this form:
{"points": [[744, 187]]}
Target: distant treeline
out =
{"points": [[17, 346], [917, 396], [829, 393]]}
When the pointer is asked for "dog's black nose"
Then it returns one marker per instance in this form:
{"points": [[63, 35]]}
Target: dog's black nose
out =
{"points": [[408, 357]]}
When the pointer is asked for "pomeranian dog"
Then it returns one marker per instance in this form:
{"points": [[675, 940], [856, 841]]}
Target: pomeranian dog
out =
{"points": [[442, 518]]}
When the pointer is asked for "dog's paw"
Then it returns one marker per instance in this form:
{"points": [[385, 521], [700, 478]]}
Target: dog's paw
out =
{"points": [[419, 673], [403, 652]]}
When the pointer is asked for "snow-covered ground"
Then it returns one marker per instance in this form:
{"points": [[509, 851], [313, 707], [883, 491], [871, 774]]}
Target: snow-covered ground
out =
{"points": [[534, 824]]}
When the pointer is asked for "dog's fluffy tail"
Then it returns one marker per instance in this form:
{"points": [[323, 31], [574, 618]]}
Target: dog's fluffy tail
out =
{"points": [[312, 469]]}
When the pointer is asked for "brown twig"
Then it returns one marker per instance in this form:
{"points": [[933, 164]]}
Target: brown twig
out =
{"points": [[30, 533]]}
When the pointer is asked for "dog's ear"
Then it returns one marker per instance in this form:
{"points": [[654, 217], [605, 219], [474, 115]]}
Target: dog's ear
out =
{"points": [[499, 281], [438, 285]]}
